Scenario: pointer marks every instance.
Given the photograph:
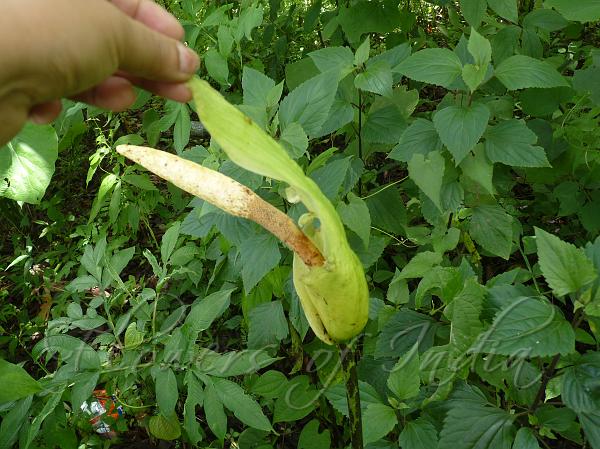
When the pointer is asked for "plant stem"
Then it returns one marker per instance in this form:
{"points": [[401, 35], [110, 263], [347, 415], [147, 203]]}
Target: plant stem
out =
{"points": [[348, 360]]}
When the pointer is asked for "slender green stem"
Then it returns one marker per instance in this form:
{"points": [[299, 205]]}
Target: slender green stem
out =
{"points": [[348, 360]]}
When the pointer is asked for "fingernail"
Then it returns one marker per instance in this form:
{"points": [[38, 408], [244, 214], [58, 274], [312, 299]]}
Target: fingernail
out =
{"points": [[189, 61]]}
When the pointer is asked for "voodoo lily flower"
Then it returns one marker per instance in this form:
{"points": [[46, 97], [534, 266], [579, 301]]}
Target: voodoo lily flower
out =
{"points": [[328, 276]]}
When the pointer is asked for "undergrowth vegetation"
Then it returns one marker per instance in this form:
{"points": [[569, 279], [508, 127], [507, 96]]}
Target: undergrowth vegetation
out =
{"points": [[459, 143]]}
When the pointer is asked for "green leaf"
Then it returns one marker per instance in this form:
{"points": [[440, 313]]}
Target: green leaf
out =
{"points": [[586, 81], [525, 439], [590, 421], [195, 397], [460, 128], [546, 19], [241, 404], [418, 434], [133, 337], [298, 401], [216, 66], [564, 266], [369, 17], [377, 78], [168, 242], [404, 380], [481, 50], [473, 11], [473, 426], [294, 140], [362, 52], [507, 9], [256, 86], [164, 428], [420, 265], [259, 335], [479, 169], [310, 438], [16, 382], [356, 216], [464, 313], [419, 138], [378, 421], [510, 142], [387, 210], [527, 327], [208, 309], [215, 414], [402, 331], [309, 103], [27, 163], [491, 227], [521, 72], [259, 254], [428, 174], [433, 65], [71, 349], [580, 384], [383, 125], [338, 60], [581, 10], [166, 391], [182, 129], [13, 421]]}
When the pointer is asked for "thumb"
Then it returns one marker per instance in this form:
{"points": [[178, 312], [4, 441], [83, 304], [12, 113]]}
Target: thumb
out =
{"points": [[146, 53]]}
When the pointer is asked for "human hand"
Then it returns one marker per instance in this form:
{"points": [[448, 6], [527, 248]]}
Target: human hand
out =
{"points": [[93, 51]]}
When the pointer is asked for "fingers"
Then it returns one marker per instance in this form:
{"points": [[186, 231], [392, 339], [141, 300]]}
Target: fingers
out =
{"points": [[151, 15], [173, 91], [148, 54], [115, 94], [44, 113]]}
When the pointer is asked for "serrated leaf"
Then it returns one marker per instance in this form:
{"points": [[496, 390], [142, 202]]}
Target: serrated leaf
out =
{"points": [[260, 254], [419, 138], [215, 414], [564, 266], [527, 327], [479, 169], [336, 60], [259, 335], [418, 434], [433, 65], [362, 52], [471, 426], [465, 310], [521, 72], [377, 78], [580, 384], [491, 227], [427, 174], [256, 86], [460, 128], [378, 421], [404, 380], [510, 142], [355, 215], [309, 103]]}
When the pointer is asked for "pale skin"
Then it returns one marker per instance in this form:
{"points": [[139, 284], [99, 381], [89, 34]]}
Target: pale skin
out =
{"points": [[93, 51]]}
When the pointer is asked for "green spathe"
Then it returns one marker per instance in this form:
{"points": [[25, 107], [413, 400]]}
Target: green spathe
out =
{"points": [[335, 295]]}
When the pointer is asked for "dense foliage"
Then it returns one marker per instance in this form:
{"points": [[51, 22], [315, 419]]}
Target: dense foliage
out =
{"points": [[458, 142]]}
